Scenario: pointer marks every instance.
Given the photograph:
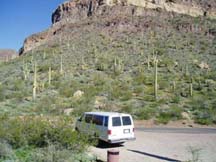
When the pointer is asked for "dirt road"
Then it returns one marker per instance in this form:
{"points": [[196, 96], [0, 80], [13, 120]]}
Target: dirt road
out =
{"points": [[165, 144]]}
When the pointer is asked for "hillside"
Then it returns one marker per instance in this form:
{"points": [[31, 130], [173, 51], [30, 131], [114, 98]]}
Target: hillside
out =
{"points": [[110, 56]]}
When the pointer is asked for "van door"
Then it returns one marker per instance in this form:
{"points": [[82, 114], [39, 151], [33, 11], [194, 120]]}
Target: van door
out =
{"points": [[86, 124], [115, 128], [127, 127]]}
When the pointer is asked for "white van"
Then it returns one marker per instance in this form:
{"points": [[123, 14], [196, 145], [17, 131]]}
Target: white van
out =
{"points": [[111, 127]]}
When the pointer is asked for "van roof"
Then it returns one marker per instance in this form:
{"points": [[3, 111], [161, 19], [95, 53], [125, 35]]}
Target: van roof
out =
{"points": [[106, 113]]}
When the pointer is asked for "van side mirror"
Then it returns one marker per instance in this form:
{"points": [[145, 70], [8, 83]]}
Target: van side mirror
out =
{"points": [[80, 119]]}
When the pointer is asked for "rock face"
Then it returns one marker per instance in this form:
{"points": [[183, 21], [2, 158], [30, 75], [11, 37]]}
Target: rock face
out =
{"points": [[73, 11], [81, 9], [33, 41]]}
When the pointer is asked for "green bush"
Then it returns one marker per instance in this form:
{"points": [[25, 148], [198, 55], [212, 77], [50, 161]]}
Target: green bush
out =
{"points": [[55, 153], [203, 118], [145, 113], [39, 132], [6, 151], [176, 99], [2, 93], [165, 116], [18, 85]]}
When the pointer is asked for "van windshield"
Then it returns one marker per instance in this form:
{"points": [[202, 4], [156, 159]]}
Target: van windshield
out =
{"points": [[116, 121], [126, 120]]}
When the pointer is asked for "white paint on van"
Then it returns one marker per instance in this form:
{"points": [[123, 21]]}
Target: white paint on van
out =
{"points": [[101, 123]]}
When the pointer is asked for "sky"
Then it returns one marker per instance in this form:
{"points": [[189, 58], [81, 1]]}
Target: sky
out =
{"points": [[21, 18]]}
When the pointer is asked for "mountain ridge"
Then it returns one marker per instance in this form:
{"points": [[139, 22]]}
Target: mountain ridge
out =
{"points": [[72, 11]]}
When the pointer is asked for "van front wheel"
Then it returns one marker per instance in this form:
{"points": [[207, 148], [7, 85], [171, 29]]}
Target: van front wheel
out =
{"points": [[76, 129]]}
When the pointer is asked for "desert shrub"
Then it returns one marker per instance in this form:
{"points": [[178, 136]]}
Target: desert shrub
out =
{"points": [[66, 91], [120, 91], [203, 118], [39, 132], [145, 113], [23, 153], [127, 95], [67, 88], [163, 84], [18, 85], [2, 93], [6, 151], [46, 104], [127, 108], [44, 68], [55, 153], [164, 116], [176, 99], [140, 78], [102, 64], [138, 89], [99, 79]]}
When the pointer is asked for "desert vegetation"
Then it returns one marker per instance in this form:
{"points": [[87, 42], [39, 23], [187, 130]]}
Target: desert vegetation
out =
{"points": [[157, 69]]}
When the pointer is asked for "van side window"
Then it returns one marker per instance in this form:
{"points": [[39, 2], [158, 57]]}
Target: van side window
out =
{"points": [[88, 118], [106, 121], [98, 120], [126, 120], [116, 121]]}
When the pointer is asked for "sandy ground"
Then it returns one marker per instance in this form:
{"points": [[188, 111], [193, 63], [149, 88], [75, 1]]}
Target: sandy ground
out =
{"points": [[160, 147]]}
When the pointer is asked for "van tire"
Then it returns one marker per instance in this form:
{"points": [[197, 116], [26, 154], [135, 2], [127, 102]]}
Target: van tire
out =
{"points": [[76, 129]]}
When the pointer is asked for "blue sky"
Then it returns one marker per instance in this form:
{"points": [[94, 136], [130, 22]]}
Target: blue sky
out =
{"points": [[21, 18]]}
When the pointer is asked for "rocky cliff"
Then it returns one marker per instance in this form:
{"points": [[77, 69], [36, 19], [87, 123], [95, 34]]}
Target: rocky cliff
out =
{"points": [[73, 11]]}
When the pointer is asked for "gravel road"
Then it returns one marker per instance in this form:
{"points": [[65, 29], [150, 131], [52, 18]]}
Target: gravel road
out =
{"points": [[165, 144]]}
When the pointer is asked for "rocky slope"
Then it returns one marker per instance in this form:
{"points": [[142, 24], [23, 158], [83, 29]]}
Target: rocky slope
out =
{"points": [[72, 12]]}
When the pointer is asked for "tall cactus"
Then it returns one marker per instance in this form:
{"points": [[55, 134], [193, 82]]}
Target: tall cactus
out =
{"points": [[35, 82], [50, 76], [156, 79], [148, 62], [174, 86], [186, 71], [191, 87], [44, 55], [61, 66], [25, 70], [118, 66]]}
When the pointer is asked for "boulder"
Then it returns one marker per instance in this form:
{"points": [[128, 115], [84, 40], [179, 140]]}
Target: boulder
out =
{"points": [[68, 111], [204, 65], [100, 102], [78, 94]]}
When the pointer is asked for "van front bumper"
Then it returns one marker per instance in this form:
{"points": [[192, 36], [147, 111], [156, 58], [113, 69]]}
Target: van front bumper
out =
{"points": [[121, 140]]}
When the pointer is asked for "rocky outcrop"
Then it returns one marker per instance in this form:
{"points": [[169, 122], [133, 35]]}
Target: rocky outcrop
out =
{"points": [[33, 41], [73, 11], [76, 11]]}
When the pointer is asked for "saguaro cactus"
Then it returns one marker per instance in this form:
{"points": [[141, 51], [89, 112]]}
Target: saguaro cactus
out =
{"points": [[35, 82], [174, 86], [148, 62], [156, 79], [61, 66], [117, 66], [50, 75], [44, 55], [25, 70], [191, 87]]}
